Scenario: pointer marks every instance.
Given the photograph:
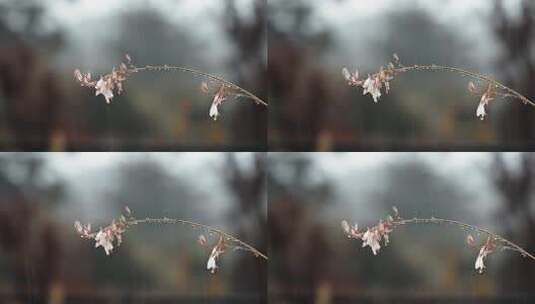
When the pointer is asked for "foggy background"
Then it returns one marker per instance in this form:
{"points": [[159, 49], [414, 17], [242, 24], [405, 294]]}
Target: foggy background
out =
{"points": [[312, 260], [43, 259], [313, 108], [43, 108]]}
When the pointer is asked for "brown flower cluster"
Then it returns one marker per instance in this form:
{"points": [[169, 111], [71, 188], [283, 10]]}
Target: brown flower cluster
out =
{"points": [[486, 96], [108, 235], [487, 248], [375, 82], [111, 236], [373, 235], [222, 93], [218, 249], [109, 83]]}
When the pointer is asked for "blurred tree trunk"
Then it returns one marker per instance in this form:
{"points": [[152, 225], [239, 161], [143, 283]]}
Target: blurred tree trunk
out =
{"points": [[516, 37], [249, 38], [516, 189], [250, 216]]}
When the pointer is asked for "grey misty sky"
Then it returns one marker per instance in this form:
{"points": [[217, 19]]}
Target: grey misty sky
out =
{"points": [[90, 176], [87, 21], [355, 175], [356, 23]]}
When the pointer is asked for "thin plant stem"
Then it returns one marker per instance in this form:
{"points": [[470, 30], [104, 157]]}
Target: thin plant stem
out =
{"points": [[202, 74], [434, 67], [465, 226], [226, 235]]}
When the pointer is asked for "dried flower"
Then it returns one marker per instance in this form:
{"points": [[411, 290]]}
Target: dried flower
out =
{"points": [[107, 84], [373, 87], [372, 238], [375, 82], [110, 236], [470, 240], [218, 249], [485, 250], [396, 57], [345, 227], [373, 235], [472, 87], [219, 97], [202, 240], [104, 87], [84, 231], [485, 99], [396, 211], [352, 79], [104, 238]]}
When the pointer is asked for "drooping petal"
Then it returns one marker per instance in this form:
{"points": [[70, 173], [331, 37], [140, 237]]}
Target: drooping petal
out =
{"points": [[481, 110], [104, 239], [214, 112], [346, 74], [105, 88], [345, 227], [216, 102], [372, 238]]}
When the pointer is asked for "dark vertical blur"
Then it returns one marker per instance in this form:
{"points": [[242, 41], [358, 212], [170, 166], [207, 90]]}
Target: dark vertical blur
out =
{"points": [[248, 36], [30, 92], [516, 187], [515, 36]]}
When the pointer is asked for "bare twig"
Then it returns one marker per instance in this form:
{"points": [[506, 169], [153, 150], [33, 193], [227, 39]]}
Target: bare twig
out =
{"points": [[373, 236], [112, 83], [111, 236], [374, 83], [226, 235]]}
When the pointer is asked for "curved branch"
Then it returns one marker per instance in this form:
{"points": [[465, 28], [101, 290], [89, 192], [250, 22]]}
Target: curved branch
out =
{"points": [[257, 99], [434, 67], [228, 236], [465, 226]]}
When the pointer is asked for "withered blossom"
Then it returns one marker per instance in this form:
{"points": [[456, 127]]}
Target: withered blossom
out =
{"points": [[83, 230], [204, 87], [485, 99], [373, 235], [105, 239], [219, 97], [107, 84], [104, 87], [106, 236], [372, 86], [485, 250], [373, 83], [218, 249], [352, 79], [110, 236], [202, 240], [470, 240], [372, 238]]}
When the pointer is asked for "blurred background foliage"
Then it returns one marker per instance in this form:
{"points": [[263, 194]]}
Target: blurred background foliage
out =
{"points": [[43, 108], [312, 261], [312, 108], [43, 260]]}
